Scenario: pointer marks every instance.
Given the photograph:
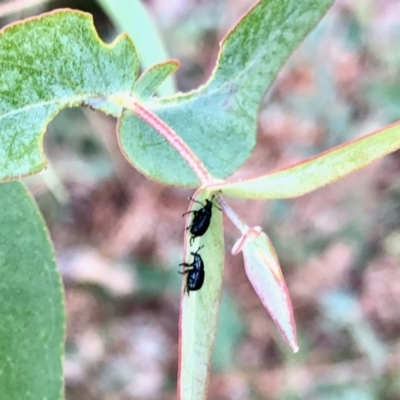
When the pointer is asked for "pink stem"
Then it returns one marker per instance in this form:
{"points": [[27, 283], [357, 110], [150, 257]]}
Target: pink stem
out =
{"points": [[174, 140], [231, 214]]}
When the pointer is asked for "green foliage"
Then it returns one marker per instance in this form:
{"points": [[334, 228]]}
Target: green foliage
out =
{"points": [[31, 302], [318, 171], [218, 121], [148, 83], [137, 23], [230, 332], [47, 64], [43, 76], [199, 314], [56, 61]]}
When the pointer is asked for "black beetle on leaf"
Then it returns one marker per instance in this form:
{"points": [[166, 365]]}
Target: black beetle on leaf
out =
{"points": [[202, 218], [195, 271]]}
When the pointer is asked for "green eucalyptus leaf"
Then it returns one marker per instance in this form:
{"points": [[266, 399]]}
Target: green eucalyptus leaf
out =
{"points": [[317, 171], [31, 302], [48, 63], [218, 121], [231, 329], [199, 311], [133, 18], [148, 83]]}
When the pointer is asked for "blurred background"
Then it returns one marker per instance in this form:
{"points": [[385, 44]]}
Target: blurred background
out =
{"points": [[118, 236]]}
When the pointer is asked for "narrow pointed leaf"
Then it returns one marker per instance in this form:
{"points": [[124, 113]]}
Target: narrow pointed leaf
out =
{"points": [[199, 313], [31, 302], [317, 171], [218, 121], [48, 63], [148, 83], [133, 18], [264, 272]]}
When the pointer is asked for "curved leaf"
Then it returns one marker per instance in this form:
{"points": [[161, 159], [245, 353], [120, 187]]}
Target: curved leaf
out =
{"points": [[317, 171], [31, 302], [218, 121], [48, 63]]}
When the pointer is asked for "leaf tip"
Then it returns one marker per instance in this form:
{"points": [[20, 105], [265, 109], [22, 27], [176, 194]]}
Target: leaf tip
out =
{"points": [[249, 235]]}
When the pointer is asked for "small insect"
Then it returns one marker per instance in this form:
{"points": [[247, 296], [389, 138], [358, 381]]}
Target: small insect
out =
{"points": [[202, 218], [195, 271]]}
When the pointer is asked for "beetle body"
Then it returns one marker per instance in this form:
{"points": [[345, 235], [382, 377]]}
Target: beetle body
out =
{"points": [[195, 271], [201, 220]]}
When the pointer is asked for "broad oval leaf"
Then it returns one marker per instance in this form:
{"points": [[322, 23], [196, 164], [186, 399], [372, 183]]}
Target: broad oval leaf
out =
{"points": [[218, 121], [317, 171], [264, 272], [31, 302], [199, 312], [48, 63]]}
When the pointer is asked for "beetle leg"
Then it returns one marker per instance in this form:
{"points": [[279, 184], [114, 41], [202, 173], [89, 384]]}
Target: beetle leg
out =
{"points": [[200, 247], [220, 209], [185, 270], [188, 212], [215, 205], [187, 290], [196, 201]]}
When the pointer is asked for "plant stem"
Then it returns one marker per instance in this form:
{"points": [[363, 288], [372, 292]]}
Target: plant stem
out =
{"points": [[235, 219]]}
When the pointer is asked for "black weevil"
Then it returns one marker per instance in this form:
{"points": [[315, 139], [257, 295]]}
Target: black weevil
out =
{"points": [[202, 218], [195, 271]]}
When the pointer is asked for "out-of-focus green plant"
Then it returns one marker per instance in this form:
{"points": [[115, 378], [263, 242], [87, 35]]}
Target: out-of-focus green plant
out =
{"points": [[197, 140]]}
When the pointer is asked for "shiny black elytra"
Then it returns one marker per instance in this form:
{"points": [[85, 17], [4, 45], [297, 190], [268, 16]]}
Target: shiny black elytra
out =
{"points": [[195, 271], [202, 218]]}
